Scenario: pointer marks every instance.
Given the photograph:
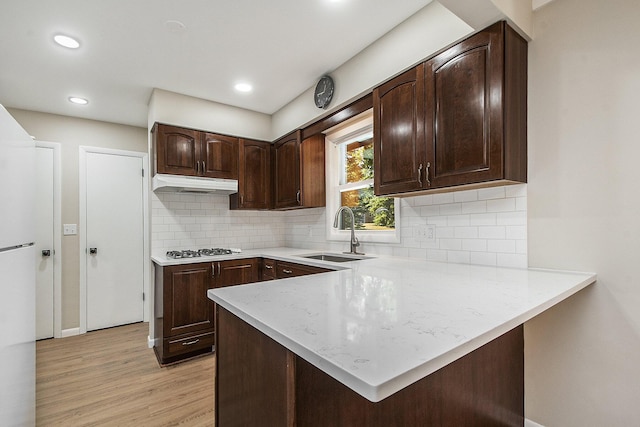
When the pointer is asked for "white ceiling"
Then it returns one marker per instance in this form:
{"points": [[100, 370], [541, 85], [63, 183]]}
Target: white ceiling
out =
{"points": [[280, 46]]}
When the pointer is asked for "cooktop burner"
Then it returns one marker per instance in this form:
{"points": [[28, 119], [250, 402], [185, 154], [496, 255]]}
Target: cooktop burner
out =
{"points": [[214, 251], [200, 252]]}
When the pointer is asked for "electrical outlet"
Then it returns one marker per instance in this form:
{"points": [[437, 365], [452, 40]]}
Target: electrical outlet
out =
{"points": [[426, 232]]}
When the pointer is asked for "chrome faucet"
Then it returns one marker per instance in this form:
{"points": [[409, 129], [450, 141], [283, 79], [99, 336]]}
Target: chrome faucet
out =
{"points": [[354, 240]]}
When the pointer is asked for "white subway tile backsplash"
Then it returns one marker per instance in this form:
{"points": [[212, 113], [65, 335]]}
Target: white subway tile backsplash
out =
{"points": [[517, 190], [483, 258], [501, 205], [443, 198], [458, 220], [451, 209], [474, 245], [505, 246], [485, 226], [465, 196], [511, 218], [512, 260], [460, 257], [491, 193], [430, 210], [489, 232], [518, 232], [483, 219], [473, 207]]}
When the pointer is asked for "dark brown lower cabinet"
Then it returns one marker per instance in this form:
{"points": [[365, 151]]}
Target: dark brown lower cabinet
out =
{"points": [[260, 383], [184, 316]]}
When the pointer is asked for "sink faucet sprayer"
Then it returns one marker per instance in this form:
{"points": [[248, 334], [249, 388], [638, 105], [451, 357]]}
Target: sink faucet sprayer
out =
{"points": [[354, 240]]}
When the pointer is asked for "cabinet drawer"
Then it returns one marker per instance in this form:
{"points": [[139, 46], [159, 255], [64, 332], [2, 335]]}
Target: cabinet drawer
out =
{"points": [[187, 344], [286, 269]]}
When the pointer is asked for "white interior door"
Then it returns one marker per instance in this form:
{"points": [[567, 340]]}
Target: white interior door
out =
{"points": [[114, 240], [44, 246]]}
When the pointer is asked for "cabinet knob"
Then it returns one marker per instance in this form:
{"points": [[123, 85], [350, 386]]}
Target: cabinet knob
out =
{"points": [[287, 271], [46, 252], [93, 251]]}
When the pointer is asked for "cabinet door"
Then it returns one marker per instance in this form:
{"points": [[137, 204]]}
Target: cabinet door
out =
{"points": [[186, 305], [235, 272], [398, 136], [464, 119], [287, 171], [219, 156], [268, 269], [254, 180], [312, 172], [176, 149]]}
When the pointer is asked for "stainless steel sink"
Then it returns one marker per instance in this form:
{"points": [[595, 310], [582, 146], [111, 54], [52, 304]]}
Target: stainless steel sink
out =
{"points": [[335, 257]]}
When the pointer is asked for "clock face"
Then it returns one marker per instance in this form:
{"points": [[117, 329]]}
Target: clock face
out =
{"points": [[323, 92]]}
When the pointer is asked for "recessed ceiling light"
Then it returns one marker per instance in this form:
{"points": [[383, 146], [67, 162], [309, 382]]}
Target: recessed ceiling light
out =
{"points": [[243, 87], [66, 41], [175, 26], [78, 100]]}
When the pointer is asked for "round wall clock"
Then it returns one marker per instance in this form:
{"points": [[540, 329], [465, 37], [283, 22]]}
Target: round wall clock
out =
{"points": [[324, 92]]}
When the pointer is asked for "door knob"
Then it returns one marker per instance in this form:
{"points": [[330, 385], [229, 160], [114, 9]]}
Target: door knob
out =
{"points": [[46, 252], [93, 251]]}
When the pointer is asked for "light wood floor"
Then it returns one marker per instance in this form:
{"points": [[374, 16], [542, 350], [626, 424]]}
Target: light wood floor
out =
{"points": [[111, 378]]}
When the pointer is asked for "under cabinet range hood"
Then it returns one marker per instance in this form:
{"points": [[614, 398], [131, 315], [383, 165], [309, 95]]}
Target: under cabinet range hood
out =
{"points": [[187, 184]]}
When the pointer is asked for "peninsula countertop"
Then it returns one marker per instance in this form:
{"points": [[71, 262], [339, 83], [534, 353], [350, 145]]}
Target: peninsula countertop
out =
{"points": [[380, 324]]}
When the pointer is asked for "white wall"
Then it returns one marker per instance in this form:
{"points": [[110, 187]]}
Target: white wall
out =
{"points": [[582, 357], [187, 111], [71, 133], [422, 34]]}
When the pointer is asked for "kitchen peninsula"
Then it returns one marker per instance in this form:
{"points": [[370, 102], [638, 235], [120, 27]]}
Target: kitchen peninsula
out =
{"points": [[386, 341]]}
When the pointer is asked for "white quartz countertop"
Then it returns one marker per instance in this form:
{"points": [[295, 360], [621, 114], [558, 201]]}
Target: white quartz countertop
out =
{"points": [[378, 325]]}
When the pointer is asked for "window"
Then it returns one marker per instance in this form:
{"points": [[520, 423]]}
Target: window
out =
{"points": [[350, 183]]}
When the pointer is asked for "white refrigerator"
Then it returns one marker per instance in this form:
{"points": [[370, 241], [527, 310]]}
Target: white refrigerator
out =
{"points": [[17, 274]]}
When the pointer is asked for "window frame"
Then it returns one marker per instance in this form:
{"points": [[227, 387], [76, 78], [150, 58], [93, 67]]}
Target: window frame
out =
{"points": [[335, 137]]}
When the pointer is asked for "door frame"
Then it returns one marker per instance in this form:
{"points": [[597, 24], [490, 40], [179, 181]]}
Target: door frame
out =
{"points": [[82, 235], [57, 238]]}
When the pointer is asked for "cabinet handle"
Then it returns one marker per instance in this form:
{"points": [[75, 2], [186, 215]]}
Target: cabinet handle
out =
{"points": [[269, 267], [191, 342], [219, 270], [241, 200], [287, 271], [420, 174], [198, 168], [204, 168], [427, 174], [298, 197]]}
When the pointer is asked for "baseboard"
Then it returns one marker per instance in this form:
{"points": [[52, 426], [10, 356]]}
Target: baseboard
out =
{"points": [[70, 332], [529, 423], [151, 342]]}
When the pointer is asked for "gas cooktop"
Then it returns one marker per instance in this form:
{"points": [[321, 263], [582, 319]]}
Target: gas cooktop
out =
{"points": [[187, 253]]}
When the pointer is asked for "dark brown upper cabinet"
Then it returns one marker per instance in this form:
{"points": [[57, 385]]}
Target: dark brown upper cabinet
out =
{"points": [[399, 133], [298, 171], [181, 151], [254, 176], [458, 119]]}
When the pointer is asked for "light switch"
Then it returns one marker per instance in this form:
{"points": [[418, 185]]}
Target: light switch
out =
{"points": [[69, 229]]}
